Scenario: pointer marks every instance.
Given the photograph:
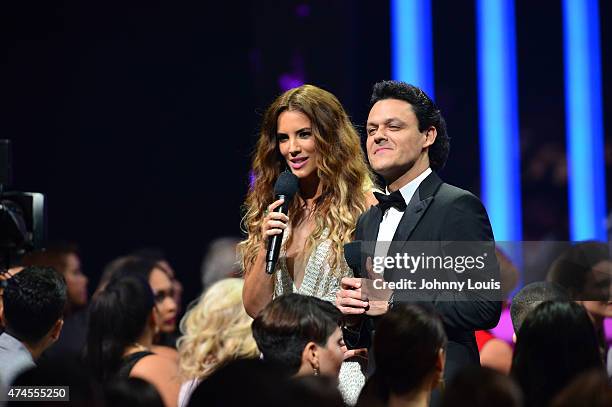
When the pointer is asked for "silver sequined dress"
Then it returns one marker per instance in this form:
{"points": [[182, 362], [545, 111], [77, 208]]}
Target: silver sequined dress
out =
{"points": [[319, 281]]}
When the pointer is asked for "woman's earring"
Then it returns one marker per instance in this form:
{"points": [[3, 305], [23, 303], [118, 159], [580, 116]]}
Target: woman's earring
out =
{"points": [[316, 371]]}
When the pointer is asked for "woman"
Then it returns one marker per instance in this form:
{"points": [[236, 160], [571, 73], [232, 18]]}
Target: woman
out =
{"points": [[555, 343], [301, 335], [307, 132], [215, 331], [122, 324], [409, 349], [163, 291]]}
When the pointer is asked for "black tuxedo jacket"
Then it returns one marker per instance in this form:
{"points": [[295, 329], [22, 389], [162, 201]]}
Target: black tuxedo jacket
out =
{"points": [[442, 212]]}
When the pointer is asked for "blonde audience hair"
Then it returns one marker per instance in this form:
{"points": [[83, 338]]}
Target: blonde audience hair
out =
{"points": [[216, 330]]}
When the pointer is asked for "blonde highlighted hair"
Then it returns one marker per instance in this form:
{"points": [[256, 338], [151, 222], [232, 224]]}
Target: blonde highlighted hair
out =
{"points": [[217, 329], [344, 175]]}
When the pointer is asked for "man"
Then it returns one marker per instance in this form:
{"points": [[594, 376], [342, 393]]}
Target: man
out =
{"points": [[33, 302], [406, 144]]}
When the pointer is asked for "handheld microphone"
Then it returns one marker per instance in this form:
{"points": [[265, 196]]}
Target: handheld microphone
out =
{"points": [[285, 188], [352, 255]]}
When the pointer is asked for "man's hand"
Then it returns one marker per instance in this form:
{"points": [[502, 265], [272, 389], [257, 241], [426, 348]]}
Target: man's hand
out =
{"points": [[350, 299], [358, 296]]}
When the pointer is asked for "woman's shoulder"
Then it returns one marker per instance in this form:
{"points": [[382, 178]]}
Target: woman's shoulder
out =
{"points": [[153, 364]]}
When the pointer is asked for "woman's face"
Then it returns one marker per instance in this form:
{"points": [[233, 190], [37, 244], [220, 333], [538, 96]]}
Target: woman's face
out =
{"points": [[297, 143], [332, 355], [76, 281], [598, 291], [164, 299]]}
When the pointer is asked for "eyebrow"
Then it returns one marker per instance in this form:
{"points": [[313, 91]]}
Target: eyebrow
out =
{"points": [[297, 132], [387, 122]]}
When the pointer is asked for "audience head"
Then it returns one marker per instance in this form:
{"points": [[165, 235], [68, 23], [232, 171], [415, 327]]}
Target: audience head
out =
{"points": [[585, 271], [409, 349], [162, 262], [119, 315], [530, 297], [243, 382], [65, 259], [477, 386], [300, 334], [555, 343], [426, 112], [215, 330], [220, 261], [158, 279], [33, 306], [82, 390], [591, 389], [132, 392]]}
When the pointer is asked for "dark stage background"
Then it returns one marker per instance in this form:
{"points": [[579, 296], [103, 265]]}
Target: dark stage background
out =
{"points": [[137, 119]]}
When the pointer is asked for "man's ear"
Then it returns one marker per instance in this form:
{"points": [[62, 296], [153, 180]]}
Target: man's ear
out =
{"points": [[56, 330], [430, 136]]}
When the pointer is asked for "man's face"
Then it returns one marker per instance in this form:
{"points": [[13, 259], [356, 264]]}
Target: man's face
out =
{"points": [[394, 144]]}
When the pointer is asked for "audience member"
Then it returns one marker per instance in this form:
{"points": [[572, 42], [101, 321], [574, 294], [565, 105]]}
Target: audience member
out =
{"points": [[555, 343], [588, 389], [215, 330], [477, 386], [301, 335], [220, 261], [122, 325], [409, 350], [163, 290], [65, 259], [495, 345], [254, 383], [162, 262], [33, 303], [81, 389], [585, 271], [132, 392], [532, 295], [243, 382]]}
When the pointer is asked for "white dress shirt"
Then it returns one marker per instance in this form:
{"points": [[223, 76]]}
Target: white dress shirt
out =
{"points": [[393, 216]]}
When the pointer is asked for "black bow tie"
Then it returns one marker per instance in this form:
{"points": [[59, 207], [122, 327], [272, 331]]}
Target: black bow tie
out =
{"points": [[395, 200]]}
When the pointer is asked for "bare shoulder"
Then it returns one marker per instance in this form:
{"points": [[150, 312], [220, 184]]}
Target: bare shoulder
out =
{"points": [[166, 351], [154, 365]]}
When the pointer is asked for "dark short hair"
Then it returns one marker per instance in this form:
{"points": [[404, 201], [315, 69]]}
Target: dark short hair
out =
{"points": [[573, 266], [426, 112], [34, 300], [556, 342], [530, 297], [406, 346], [288, 323]]}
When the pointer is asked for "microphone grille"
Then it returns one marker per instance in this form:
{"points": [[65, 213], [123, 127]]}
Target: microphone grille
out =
{"points": [[286, 184]]}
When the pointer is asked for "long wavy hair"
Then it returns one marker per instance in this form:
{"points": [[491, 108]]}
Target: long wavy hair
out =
{"points": [[216, 330], [342, 170]]}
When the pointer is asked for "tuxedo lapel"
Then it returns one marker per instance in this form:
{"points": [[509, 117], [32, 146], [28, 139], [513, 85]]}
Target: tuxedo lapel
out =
{"points": [[371, 224], [422, 198], [411, 217]]}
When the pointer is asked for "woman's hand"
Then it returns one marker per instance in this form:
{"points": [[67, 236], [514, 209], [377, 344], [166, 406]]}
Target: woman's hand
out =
{"points": [[274, 223]]}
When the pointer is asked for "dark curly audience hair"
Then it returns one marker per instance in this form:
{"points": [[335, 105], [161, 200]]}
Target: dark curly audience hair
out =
{"points": [[34, 299], [425, 110], [118, 317], [288, 323]]}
